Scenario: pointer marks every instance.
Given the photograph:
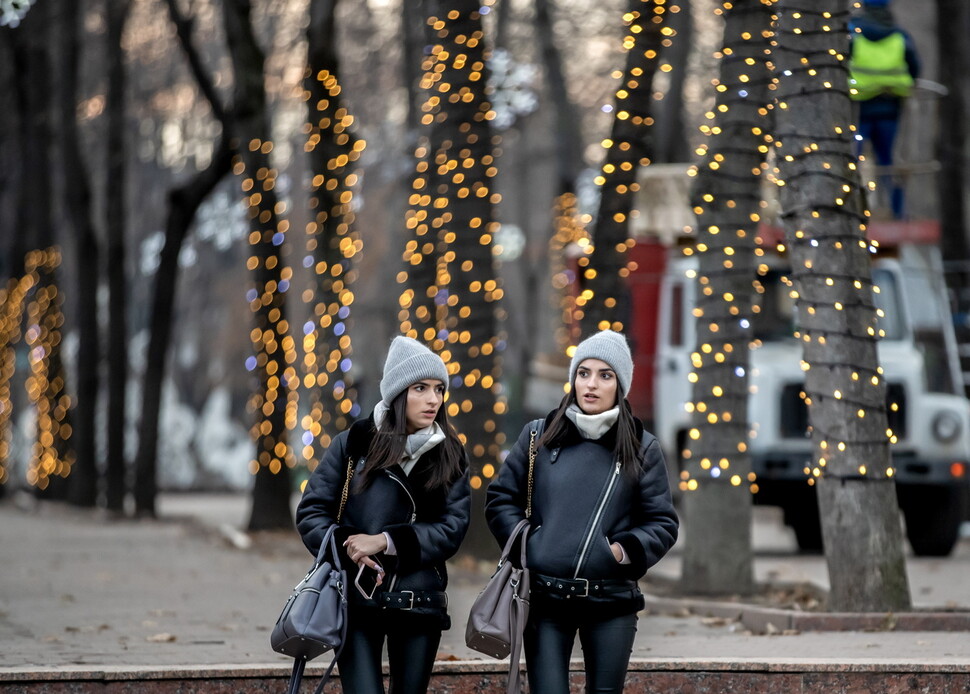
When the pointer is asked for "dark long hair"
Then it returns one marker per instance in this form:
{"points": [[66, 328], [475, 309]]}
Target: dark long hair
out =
{"points": [[387, 447], [627, 447]]}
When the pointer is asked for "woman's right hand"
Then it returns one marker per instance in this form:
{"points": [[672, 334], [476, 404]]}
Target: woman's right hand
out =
{"points": [[360, 548]]}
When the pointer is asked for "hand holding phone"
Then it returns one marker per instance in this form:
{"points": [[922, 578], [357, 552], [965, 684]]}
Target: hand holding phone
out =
{"points": [[368, 579]]}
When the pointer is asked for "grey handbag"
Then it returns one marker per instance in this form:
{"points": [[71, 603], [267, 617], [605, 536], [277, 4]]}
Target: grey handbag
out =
{"points": [[500, 611], [498, 616], [314, 618]]}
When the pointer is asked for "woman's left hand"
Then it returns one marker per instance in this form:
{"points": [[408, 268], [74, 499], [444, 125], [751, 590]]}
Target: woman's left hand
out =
{"points": [[361, 547], [617, 551]]}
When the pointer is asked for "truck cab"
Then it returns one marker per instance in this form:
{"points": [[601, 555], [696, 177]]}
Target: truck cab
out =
{"points": [[928, 414]]}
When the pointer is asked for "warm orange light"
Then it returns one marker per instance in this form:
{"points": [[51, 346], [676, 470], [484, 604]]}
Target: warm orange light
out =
{"points": [[958, 469]]}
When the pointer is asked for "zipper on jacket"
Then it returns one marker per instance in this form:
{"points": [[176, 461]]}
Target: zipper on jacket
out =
{"points": [[414, 515], [610, 484]]}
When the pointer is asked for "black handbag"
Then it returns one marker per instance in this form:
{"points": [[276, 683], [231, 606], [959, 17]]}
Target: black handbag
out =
{"points": [[314, 618]]}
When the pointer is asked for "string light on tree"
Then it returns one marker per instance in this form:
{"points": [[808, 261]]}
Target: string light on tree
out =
{"points": [[11, 314], [451, 295], [603, 280], [570, 245], [830, 255], [728, 206], [12, 12], [45, 384], [332, 245], [272, 402]]}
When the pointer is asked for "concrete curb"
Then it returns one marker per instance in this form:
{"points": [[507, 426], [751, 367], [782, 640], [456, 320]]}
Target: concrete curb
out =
{"points": [[770, 620], [686, 676]]}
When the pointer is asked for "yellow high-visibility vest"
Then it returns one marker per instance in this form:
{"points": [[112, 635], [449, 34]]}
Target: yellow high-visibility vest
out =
{"points": [[879, 67]]}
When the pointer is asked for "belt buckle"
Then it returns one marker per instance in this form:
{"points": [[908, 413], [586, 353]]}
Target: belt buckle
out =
{"points": [[411, 604], [585, 588]]}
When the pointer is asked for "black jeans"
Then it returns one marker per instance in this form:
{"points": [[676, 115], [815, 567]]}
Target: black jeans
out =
{"points": [[607, 645], [411, 648]]}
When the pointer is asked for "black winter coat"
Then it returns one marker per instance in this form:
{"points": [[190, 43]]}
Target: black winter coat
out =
{"points": [[582, 503], [426, 527]]}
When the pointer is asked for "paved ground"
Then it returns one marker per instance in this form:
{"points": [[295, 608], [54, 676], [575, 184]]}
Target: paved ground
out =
{"points": [[79, 589]]}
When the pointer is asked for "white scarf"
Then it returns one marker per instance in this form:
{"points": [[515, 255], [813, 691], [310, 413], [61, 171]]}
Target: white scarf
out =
{"points": [[592, 426], [418, 443]]}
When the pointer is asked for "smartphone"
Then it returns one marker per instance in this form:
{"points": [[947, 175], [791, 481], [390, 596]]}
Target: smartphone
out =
{"points": [[366, 580]]}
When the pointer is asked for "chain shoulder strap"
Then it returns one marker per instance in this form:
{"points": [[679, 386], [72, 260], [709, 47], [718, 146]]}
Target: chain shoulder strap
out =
{"points": [[532, 465], [346, 491]]}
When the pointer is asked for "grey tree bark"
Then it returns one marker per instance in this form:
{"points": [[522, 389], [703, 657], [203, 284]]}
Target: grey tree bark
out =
{"points": [[726, 197], [823, 215], [953, 25], [83, 487], [115, 223]]}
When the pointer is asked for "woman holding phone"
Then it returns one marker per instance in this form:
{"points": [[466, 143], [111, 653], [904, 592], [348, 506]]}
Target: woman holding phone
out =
{"points": [[601, 516], [406, 513]]}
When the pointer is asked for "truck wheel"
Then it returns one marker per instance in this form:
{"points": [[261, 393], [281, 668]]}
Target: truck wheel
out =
{"points": [[933, 517], [801, 514]]}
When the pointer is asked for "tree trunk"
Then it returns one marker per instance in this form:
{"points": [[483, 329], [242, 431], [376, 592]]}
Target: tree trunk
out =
{"points": [[331, 239], [671, 137], [567, 134], [115, 222], [414, 33], [83, 488], [953, 23], [823, 212], [12, 251], [458, 199], [631, 146], [420, 312], [726, 198], [251, 127], [50, 459], [548, 255], [183, 202]]}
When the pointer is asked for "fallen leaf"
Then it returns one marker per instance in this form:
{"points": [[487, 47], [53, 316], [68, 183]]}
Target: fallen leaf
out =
{"points": [[161, 638], [715, 621]]}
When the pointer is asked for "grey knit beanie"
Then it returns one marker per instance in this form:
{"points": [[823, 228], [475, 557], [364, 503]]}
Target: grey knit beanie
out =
{"points": [[608, 346], [408, 361]]}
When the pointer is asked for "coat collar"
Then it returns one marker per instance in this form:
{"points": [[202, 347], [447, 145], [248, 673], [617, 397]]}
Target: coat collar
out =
{"points": [[359, 438]]}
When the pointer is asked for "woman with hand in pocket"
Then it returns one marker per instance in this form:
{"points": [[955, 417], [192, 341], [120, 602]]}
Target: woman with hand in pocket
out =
{"points": [[602, 515], [406, 513]]}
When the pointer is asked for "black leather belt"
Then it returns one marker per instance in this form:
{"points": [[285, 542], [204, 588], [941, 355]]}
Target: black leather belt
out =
{"points": [[580, 587], [410, 599]]}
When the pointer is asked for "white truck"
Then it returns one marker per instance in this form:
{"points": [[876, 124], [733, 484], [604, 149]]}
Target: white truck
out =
{"points": [[927, 408]]}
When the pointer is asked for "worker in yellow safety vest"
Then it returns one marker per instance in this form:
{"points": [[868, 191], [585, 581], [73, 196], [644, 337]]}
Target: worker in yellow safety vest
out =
{"points": [[883, 67]]}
